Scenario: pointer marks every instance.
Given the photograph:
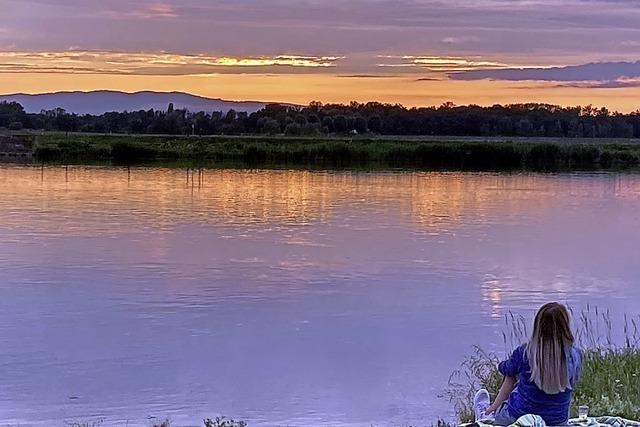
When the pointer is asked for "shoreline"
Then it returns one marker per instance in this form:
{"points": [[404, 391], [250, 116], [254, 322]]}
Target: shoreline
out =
{"points": [[432, 153]]}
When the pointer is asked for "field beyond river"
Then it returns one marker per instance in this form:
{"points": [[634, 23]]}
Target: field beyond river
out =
{"points": [[428, 153]]}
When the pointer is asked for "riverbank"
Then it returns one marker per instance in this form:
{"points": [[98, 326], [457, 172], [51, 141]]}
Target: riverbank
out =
{"points": [[450, 154], [609, 384]]}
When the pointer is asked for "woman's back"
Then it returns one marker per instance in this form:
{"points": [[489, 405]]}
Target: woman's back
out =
{"points": [[528, 398]]}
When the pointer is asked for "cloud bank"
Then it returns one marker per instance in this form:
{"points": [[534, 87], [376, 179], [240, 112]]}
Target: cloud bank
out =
{"points": [[554, 43], [152, 63], [592, 75], [540, 31]]}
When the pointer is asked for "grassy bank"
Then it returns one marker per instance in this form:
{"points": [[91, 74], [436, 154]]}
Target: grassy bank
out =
{"points": [[388, 152], [217, 422], [610, 382]]}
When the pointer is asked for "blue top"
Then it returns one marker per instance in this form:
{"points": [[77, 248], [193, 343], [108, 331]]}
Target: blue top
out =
{"points": [[527, 398]]}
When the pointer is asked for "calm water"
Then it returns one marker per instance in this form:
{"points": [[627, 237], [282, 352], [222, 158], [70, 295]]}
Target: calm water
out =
{"points": [[285, 297]]}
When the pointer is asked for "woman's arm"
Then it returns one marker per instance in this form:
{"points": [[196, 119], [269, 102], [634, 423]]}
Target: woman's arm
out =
{"points": [[508, 385]]}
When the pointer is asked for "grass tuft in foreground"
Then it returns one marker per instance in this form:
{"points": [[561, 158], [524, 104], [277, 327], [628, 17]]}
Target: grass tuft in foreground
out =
{"points": [[224, 422], [610, 382]]}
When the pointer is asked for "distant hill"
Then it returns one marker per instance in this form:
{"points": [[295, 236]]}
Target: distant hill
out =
{"points": [[102, 101]]}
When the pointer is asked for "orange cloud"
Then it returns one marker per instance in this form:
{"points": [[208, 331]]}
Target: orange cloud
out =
{"points": [[147, 11], [99, 62], [159, 10], [441, 63]]}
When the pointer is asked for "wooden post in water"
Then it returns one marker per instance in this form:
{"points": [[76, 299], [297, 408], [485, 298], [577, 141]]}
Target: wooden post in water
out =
{"points": [[66, 173]]}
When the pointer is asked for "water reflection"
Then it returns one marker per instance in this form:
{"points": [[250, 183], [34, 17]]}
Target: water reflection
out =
{"points": [[285, 297], [438, 201]]}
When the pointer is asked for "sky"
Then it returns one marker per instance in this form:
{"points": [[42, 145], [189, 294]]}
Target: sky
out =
{"points": [[413, 52]]}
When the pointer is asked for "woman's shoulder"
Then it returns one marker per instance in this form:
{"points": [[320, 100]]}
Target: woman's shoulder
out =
{"points": [[520, 353], [522, 349], [515, 364]]}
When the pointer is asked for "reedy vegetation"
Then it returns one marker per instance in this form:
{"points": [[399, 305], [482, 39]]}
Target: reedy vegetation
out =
{"points": [[216, 422], [386, 152]]}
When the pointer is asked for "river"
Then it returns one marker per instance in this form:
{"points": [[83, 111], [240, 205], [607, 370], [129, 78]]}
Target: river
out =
{"points": [[285, 297]]}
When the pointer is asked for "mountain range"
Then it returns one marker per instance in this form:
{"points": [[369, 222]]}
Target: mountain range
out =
{"points": [[102, 101]]}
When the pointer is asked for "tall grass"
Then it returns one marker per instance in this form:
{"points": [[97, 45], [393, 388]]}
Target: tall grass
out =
{"points": [[224, 422], [443, 154], [610, 381], [215, 422]]}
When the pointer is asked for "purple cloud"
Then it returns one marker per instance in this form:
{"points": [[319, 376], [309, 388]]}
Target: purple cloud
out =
{"points": [[521, 32], [605, 73], [527, 29]]}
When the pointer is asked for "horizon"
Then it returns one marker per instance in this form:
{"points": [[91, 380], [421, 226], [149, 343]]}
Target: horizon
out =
{"points": [[172, 92], [411, 52], [267, 102]]}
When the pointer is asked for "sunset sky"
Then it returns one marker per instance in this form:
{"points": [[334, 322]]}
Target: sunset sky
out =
{"points": [[414, 52]]}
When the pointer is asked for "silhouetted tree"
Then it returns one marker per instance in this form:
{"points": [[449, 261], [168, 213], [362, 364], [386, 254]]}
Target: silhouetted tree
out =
{"points": [[327, 123], [293, 129], [340, 123], [271, 127], [375, 124], [523, 120], [360, 124], [300, 120]]}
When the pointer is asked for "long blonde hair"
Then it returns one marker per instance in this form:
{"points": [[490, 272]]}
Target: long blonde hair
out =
{"points": [[549, 347]]}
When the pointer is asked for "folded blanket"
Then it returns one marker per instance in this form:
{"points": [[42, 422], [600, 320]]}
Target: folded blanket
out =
{"points": [[536, 421], [524, 421], [529, 421], [604, 422]]}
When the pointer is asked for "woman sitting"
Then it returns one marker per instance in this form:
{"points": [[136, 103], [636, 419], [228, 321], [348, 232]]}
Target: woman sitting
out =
{"points": [[540, 376]]}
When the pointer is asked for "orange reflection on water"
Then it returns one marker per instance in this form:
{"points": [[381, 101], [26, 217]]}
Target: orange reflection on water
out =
{"points": [[87, 200]]}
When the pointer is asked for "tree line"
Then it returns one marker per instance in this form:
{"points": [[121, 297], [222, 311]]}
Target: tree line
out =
{"points": [[525, 120]]}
